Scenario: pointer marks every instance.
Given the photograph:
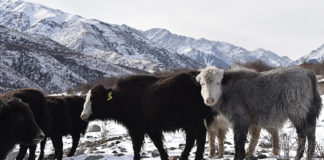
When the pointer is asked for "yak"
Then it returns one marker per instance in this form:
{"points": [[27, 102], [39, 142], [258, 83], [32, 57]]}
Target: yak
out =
{"points": [[264, 99], [65, 111], [153, 104], [37, 103], [17, 125]]}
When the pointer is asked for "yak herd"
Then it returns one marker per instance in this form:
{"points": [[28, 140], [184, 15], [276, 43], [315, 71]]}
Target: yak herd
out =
{"points": [[210, 100]]}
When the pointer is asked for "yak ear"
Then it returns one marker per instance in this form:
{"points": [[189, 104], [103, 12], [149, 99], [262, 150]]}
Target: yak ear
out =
{"points": [[3, 109], [198, 77], [226, 78]]}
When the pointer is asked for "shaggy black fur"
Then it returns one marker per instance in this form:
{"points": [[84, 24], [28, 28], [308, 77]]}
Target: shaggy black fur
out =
{"points": [[17, 125], [65, 111], [37, 103], [150, 105]]}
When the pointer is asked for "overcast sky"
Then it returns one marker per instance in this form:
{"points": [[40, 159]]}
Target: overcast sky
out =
{"points": [[287, 27]]}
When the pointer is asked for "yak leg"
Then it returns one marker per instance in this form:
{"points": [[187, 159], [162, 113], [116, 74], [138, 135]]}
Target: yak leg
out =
{"points": [[254, 132], [190, 140], [201, 140], [32, 150], [221, 138], [301, 143], [22, 152], [275, 140], [211, 142], [137, 140], [157, 139], [75, 142], [58, 146], [240, 133], [42, 147], [310, 132]]}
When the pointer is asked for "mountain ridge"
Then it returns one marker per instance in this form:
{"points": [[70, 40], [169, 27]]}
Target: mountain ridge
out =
{"points": [[224, 51], [113, 43]]}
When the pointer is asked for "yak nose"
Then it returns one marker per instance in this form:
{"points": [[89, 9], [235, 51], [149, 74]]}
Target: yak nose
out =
{"points": [[84, 117], [39, 137], [210, 100]]}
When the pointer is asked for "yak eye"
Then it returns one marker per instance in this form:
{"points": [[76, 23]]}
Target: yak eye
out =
{"points": [[20, 117], [217, 83]]}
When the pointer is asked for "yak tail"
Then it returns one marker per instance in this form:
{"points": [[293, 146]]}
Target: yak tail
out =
{"points": [[317, 101]]}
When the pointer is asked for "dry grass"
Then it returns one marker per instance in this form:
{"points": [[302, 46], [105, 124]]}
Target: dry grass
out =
{"points": [[316, 68], [266, 141], [319, 150], [107, 82], [320, 87], [287, 143], [257, 65]]}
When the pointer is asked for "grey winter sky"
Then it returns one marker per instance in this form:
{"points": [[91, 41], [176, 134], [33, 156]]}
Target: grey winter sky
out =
{"points": [[287, 27]]}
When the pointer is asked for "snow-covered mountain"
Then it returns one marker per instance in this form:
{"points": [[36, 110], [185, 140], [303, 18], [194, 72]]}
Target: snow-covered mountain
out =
{"points": [[316, 56], [35, 61], [117, 44], [212, 52]]}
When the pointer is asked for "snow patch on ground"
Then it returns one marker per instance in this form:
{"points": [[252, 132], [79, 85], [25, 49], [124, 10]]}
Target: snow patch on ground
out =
{"points": [[118, 145]]}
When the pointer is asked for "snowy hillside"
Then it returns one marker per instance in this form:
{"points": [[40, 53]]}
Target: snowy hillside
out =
{"points": [[113, 43], [316, 56], [38, 62], [113, 143], [212, 52]]}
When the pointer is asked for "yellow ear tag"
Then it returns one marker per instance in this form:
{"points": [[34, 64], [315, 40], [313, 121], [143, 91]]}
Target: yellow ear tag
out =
{"points": [[109, 96]]}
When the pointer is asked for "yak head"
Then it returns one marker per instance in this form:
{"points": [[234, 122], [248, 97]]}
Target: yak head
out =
{"points": [[210, 80], [97, 103], [19, 121]]}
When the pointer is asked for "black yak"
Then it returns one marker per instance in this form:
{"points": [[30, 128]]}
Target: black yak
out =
{"points": [[37, 103], [17, 125], [150, 105], [65, 111], [266, 99]]}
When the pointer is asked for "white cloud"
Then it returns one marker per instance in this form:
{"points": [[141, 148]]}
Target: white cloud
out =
{"points": [[289, 27]]}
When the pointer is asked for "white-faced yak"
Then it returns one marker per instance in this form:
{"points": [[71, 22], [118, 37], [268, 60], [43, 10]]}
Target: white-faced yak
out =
{"points": [[264, 99], [150, 105]]}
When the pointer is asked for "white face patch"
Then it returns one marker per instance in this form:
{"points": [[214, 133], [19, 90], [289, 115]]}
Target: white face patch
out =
{"points": [[210, 80], [87, 111]]}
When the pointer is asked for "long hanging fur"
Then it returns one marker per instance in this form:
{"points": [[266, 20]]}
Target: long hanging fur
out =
{"points": [[268, 99]]}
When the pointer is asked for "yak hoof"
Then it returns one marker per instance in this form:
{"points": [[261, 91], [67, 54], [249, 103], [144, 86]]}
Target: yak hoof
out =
{"points": [[219, 156]]}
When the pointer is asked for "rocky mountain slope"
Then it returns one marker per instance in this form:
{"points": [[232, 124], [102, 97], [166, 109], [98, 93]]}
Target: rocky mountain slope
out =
{"points": [[35, 61], [316, 56], [113, 43], [212, 52], [52, 50]]}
